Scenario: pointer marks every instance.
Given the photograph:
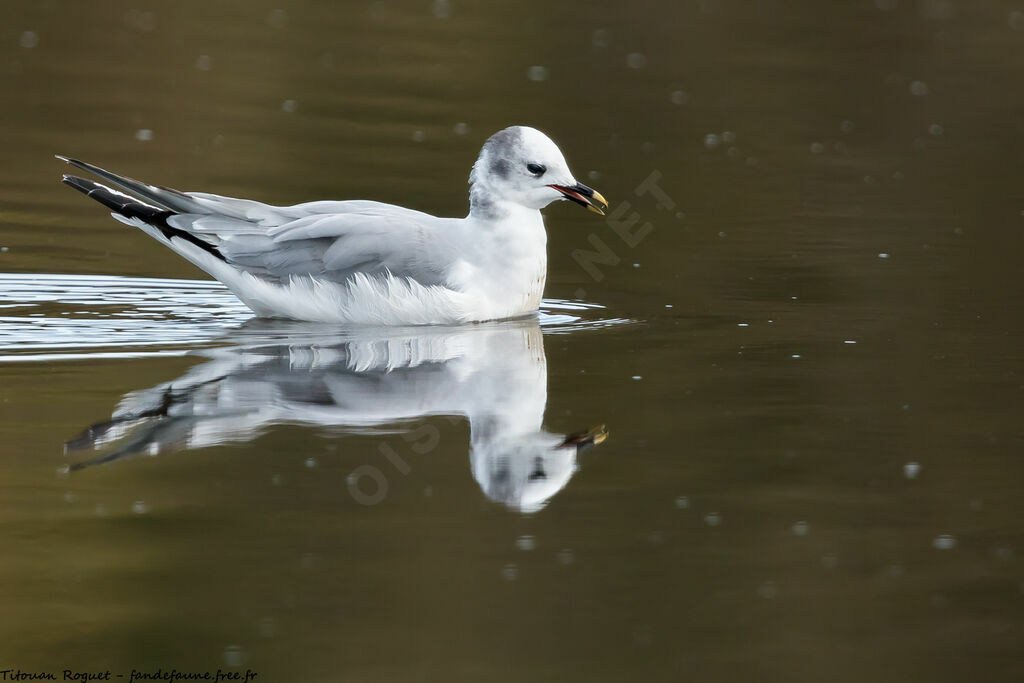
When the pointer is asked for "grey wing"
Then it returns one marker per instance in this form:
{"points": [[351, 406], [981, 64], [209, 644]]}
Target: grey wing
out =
{"points": [[330, 240]]}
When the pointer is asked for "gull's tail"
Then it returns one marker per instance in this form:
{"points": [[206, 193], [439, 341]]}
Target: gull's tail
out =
{"points": [[147, 207], [133, 211]]}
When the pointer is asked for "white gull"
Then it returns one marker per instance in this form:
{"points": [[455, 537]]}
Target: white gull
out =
{"points": [[367, 262]]}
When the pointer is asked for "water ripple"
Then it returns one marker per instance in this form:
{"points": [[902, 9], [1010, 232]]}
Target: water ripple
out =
{"points": [[64, 317]]}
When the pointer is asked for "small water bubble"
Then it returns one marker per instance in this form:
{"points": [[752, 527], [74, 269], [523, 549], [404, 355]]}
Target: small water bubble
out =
{"points": [[141, 20], [642, 635], [682, 502], [869, 180], [235, 656], [655, 538], [278, 19], [668, 305], [711, 141], [28, 39], [638, 377], [728, 137], [795, 355], [722, 233], [140, 507], [830, 561], [601, 38], [289, 106], [418, 136], [510, 572], [918, 88], [442, 9], [526, 543], [310, 463], [70, 497], [428, 491], [768, 590], [911, 470], [461, 128], [5, 249], [635, 60], [276, 480], [712, 519], [817, 148], [636, 265], [936, 129], [937, 9], [1002, 553], [849, 341], [537, 73], [801, 528], [566, 556], [144, 135], [883, 255], [267, 627], [742, 324], [944, 542], [678, 97], [593, 175], [204, 62], [847, 126]]}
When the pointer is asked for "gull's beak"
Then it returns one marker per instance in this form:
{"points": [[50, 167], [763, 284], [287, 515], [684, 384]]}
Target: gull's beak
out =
{"points": [[584, 196], [584, 440]]}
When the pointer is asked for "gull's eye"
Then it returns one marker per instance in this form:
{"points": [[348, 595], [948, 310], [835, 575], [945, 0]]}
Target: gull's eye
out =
{"points": [[538, 470], [536, 169]]}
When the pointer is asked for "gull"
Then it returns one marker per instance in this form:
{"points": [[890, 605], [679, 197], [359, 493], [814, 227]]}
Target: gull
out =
{"points": [[367, 262]]}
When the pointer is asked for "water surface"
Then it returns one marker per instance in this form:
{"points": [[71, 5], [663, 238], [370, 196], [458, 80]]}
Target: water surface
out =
{"points": [[809, 365]]}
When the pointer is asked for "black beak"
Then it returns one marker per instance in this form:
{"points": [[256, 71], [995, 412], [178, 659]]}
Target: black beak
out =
{"points": [[584, 196]]}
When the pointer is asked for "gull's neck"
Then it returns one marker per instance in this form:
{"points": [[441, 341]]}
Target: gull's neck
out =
{"points": [[486, 207]]}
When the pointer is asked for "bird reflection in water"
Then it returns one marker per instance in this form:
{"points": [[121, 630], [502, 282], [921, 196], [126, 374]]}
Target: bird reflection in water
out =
{"points": [[494, 375]]}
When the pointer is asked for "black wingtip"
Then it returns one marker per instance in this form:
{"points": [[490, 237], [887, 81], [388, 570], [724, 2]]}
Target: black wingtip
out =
{"points": [[81, 184], [133, 208]]}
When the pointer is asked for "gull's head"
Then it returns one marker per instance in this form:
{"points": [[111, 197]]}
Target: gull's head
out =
{"points": [[523, 166]]}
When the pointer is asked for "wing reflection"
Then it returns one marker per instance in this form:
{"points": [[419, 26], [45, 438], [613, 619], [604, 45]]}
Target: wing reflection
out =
{"points": [[495, 375]]}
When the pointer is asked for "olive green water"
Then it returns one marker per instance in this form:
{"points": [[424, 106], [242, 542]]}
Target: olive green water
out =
{"points": [[809, 366]]}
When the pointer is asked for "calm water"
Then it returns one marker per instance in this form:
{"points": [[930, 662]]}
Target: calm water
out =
{"points": [[809, 366]]}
